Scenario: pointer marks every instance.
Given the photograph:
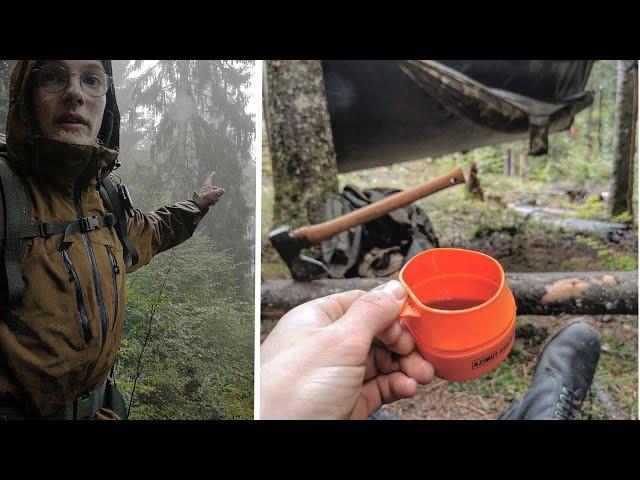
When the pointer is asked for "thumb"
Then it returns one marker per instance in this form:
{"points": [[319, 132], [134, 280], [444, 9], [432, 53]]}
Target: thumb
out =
{"points": [[375, 311]]}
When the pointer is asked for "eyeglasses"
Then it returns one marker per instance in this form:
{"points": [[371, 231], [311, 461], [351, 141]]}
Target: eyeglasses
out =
{"points": [[55, 79]]}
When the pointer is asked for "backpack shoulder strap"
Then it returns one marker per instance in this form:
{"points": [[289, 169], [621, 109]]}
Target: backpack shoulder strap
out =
{"points": [[113, 202], [14, 199]]}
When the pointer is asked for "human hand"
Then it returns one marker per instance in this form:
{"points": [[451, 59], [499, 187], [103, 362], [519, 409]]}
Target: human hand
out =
{"points": [[340, 357], [209, 193]]}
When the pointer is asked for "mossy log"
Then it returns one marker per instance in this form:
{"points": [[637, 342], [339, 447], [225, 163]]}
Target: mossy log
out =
{"points": [[582, 293]]}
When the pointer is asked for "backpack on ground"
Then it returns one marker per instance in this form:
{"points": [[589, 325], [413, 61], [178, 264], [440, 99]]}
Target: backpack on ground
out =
{"points": [[379, 247]]}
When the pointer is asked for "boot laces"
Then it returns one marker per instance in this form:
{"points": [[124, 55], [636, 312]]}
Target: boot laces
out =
{"points": [[568, 405]]}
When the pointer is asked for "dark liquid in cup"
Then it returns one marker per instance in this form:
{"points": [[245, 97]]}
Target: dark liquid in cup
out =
{"points": [[453, 303]]}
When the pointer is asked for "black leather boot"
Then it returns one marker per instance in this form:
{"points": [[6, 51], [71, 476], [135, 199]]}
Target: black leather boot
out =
{"points": [[562, 376]]}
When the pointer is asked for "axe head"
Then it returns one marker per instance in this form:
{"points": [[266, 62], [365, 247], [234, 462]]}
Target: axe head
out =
{"points": [[302, 268]]}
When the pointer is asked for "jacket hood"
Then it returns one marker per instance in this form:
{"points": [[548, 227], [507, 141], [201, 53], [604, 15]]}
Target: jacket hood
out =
{"points": [[40, 156]]}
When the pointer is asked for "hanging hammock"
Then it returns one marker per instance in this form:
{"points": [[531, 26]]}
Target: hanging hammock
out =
{"points": [[389, 111]]}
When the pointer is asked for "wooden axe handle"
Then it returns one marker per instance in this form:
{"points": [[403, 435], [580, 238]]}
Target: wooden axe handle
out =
{"points": [[323, 231]]}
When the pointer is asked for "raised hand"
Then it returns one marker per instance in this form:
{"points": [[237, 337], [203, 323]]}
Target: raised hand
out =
{"points": [[209, 193]]}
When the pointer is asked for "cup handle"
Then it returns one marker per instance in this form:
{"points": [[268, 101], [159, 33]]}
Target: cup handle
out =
{"points": [[408, 314]]}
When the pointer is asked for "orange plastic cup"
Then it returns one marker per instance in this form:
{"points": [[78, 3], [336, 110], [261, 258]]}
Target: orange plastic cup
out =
{"points": [[459, 310]]}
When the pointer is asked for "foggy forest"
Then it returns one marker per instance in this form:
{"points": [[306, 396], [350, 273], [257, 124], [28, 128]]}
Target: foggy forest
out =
{"points": [[187, 348]]}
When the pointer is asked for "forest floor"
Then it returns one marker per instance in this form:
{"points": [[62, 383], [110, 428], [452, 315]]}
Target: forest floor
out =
{"points": [[520, 245]]}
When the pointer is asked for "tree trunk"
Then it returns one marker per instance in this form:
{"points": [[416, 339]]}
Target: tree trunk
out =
{"points": [[514, 162], [600, 141], [506, 162], [303, 156], [622, 161], [6, 67], [634, 136], [584, 293], [523, 165], [589, 133]]}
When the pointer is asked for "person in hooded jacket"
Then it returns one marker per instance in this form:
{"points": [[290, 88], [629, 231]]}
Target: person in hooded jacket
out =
{"points": [[58, 344]]}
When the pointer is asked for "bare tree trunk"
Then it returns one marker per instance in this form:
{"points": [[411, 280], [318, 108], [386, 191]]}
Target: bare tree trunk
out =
{"points": [[622, 161], [584, 293], [506, 162], [589, 133], [514, 162], [600, 141], [300, 141], [523, 165]]}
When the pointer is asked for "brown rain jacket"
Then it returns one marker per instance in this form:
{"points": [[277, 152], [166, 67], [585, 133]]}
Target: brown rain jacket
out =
{"points": [[61, 341]]}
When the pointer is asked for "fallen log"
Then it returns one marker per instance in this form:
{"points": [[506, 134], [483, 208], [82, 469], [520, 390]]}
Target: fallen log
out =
{"points": [[552, 217], [582, 293]]}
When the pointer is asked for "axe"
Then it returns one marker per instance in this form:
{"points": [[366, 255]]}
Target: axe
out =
{"points": [[289, 243]]}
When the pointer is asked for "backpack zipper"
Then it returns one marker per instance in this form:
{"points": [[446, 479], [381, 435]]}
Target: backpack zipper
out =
{"points": [[115, 270], [82, 313]]}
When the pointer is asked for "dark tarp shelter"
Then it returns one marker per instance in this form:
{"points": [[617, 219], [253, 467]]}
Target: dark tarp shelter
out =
{"points": [[387, 111]]}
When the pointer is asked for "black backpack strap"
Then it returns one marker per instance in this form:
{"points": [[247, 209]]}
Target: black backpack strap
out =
{"points": [[113, 202], [15, 199], [68, 228]]}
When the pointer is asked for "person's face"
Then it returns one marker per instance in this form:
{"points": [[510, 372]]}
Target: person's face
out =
{"points": [[65, 104]]}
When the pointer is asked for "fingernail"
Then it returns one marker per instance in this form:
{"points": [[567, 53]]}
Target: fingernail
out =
{"points": [[396, 289]]}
